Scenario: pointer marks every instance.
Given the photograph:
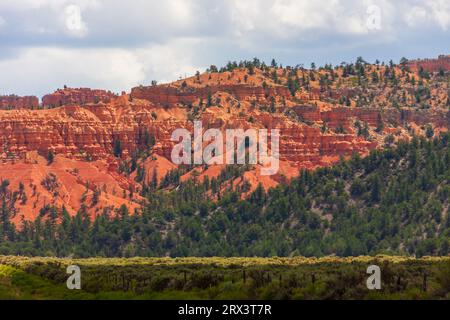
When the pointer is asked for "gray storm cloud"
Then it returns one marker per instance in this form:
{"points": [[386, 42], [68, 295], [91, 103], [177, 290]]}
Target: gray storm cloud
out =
{"points": [[115, 44]]}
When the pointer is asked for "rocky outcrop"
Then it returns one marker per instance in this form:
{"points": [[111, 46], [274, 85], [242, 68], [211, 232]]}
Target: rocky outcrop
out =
{"points": [[80, 96], [315, 94], [90, 131], [94, 184], [81, 132], [346, 116], [431, 65], [16, 102], [81, 126], [170, 95]]}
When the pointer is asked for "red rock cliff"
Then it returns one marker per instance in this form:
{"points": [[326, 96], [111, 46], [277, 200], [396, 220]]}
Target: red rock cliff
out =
{"points": [[316, 128], [79, 96], [171, 95], [431, 65], [16, 102]]}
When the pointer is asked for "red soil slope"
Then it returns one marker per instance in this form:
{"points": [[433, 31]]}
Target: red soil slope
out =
{"points": [[317, 128]]}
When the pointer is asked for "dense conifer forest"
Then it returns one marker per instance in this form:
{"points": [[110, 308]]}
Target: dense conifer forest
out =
{"points": [[392, 202]]}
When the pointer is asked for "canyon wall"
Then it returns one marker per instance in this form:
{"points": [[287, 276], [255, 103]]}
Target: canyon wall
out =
{"points": [[80, 128], [80, 96], [87, 126], [431, 65], [346, 116], [90, 131], [170, 96], [17, 102]]}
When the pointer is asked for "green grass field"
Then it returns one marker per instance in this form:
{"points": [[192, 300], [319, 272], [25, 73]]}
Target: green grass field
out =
{"points": [[225, 278]]}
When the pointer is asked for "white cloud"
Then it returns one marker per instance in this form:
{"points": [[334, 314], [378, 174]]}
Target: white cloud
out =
{"points": [[45, 69], [49, 17], [440, 10], [244, 14], [181, 11], [24, 5], [151, 20], [291, 18], [306, 14], [111, 22], [170, 61], [415, 16], [115, 44], [431, 12], [19, 5], [74, 22]]}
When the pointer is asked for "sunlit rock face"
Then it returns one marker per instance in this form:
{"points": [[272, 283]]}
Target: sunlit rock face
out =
{"points": [[320, 122]]}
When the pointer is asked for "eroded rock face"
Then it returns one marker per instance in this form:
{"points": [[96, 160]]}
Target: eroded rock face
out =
{"points": [[170, 96], [81, 126], [16, 102], [69, 183], [80, 96], [431, 65], [346, 116], [89, 132]]}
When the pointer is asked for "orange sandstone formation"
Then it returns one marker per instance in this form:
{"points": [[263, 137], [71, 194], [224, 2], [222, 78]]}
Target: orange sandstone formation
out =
{"points": [[431, 65], [16, 102], [81, 127], [79, 96]]}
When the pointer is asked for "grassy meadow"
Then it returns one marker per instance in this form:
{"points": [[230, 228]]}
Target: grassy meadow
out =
{"points": [[224, 278]]}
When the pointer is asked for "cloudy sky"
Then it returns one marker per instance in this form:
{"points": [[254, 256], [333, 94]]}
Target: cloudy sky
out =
{"points": [[116, 44]]}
